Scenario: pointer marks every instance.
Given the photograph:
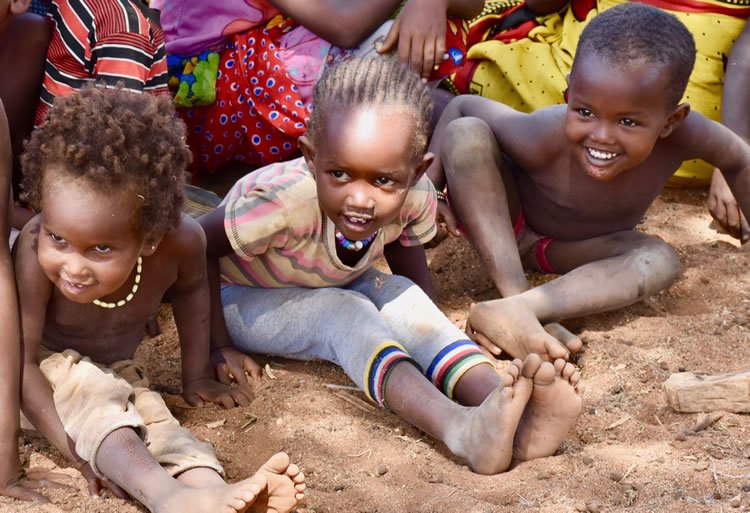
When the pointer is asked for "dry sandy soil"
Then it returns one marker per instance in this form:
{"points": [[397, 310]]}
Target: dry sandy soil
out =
{"points": [[626, 453]]}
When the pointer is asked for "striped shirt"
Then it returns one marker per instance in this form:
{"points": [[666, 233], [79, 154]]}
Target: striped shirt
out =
{"points": [[281, 237], [103, 40]]}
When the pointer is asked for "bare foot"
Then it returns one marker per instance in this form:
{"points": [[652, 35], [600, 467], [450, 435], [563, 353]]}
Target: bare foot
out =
{"points": [[553, 408], [483, 435], [225, 498], [508, 325], [286, 486]]}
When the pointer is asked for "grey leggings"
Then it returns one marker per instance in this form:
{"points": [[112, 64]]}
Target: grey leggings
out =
{"points": [[367, 327]]}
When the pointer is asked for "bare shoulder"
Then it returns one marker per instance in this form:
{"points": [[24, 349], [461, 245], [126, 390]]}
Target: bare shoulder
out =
{"points": [[186, 240], [25, 256]]}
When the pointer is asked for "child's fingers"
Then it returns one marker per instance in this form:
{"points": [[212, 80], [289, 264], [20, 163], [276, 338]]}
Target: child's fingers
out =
{"points": [[391, 38], [223, 374]]}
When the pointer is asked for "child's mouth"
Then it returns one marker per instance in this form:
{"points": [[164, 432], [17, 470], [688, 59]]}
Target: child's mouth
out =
{"points": [[357, 223], [601, 154]]}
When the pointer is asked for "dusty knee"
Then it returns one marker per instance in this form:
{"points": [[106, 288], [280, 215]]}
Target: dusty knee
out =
{"points": [[659, 266], [465, 141]]}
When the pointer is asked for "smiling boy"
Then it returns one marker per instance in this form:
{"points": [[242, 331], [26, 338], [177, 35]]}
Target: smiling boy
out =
{"points": [[561, 190]]}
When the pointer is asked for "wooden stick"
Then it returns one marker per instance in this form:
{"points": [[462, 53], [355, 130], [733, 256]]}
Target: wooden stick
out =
{"points": [[356, 402]]}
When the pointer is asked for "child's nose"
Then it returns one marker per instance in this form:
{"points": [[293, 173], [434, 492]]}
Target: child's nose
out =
{"points": [[603, 133], [75, 267], [360, 198]]}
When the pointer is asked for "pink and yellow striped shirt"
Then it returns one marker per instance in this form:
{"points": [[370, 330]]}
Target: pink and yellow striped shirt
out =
{"points": [[281, 237]]}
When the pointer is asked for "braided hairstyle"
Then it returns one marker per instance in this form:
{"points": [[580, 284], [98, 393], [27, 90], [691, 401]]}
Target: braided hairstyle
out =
{"points": [[641, 34], [120, 142], [378, 82]]}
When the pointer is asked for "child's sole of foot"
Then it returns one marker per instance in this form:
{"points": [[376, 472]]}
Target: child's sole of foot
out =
{"points": [[286, 486], [553, 408]]}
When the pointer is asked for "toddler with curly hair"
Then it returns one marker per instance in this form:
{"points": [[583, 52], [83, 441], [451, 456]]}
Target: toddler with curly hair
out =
{"points": [[105, 171]]}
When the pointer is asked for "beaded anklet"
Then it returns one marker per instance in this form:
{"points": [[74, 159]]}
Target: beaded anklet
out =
{"points": [[352, 245], [138, 269]]}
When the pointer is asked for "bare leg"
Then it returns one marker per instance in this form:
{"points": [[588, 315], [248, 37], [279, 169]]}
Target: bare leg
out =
{"points": [[553, 408], [482, 435], [483, 196], [605, 273], [124, 459]]}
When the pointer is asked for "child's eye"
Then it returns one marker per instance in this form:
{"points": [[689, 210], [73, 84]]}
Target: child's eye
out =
{"points": [[56, 238], [384, 181], [102, 248], [628, 122], [584, 113], [338, 174]]}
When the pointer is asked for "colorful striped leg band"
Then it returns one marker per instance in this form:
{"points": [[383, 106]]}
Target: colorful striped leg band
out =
{"points": [[380, 365], [451, 364]]}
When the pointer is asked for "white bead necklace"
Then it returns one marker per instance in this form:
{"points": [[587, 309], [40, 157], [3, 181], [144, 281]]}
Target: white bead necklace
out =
{"points": [[138, 269]]}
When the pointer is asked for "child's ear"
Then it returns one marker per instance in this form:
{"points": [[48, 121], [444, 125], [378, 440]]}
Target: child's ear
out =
{"points": [[150, 246], [19, 6], [422, 166], [675, 119], [308, 152]]}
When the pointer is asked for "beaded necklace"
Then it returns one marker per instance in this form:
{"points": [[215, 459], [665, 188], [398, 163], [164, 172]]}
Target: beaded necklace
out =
{"points": [[137, 281], [352, 245]]}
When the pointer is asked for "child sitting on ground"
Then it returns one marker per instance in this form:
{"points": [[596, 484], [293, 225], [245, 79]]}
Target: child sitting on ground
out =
{"points": [[297, 241], [106, 171], [561, 190]]}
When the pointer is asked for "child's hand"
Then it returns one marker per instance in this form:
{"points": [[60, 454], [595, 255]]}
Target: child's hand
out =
{"points": [[233, 366], [205, 390], [723, 207], [14, 483], [446, 216], [96, 484], [419, 31]]}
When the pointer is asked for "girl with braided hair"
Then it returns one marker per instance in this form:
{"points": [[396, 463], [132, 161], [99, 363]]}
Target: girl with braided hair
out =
{"points": [[293, 244]]}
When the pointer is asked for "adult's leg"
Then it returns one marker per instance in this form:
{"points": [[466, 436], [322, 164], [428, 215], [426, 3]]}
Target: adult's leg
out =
{"points": [[601, 274]]}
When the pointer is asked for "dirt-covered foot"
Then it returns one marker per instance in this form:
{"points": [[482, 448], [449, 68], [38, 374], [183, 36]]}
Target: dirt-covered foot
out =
{"points": [[225, 498], [483, 435], [507, 325], [553, 408], [286, 486]]}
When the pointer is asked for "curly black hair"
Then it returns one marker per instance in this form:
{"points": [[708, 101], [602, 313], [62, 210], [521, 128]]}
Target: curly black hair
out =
{"points": [[639, 33], [378, 82], [116, 140]]}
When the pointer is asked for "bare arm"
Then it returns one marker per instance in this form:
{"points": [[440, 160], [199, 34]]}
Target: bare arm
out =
{"points": [[34, 291], [191, 303], [411, 262], [699, 137], [344, 23], [229, 363], [735, 113]]}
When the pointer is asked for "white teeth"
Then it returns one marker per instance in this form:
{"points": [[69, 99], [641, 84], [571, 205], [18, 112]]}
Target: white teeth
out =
{"points": [[357, 220], [602, 155]]}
